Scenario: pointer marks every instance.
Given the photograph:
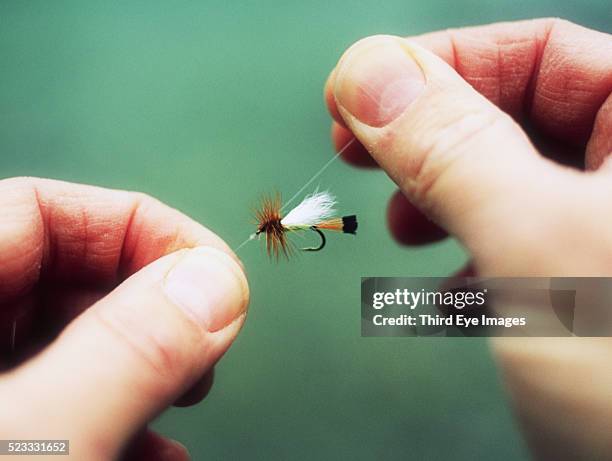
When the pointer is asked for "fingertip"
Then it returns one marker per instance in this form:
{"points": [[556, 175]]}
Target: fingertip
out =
{"points": [[155, 230], [378, 79], [330, 100], [408, 225], [355, 153]]}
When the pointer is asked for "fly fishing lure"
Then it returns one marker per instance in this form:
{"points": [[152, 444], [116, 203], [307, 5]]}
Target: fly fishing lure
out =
{"points": [[316, 212]]}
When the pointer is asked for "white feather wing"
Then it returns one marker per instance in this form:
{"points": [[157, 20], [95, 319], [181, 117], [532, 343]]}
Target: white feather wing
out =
{"points": [[315, 208]]}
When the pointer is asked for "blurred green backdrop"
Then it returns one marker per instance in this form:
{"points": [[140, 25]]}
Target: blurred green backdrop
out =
{"points": [[206, 105]]}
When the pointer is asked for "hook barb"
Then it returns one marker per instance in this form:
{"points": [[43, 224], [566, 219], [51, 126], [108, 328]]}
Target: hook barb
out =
{"points": [[323, 241]]}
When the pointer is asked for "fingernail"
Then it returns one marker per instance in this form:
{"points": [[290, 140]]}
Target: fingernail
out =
{"points": [[208, 284], [377, 80]]}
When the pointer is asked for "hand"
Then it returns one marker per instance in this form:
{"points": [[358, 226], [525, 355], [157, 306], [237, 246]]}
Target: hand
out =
{"points": [[167, 299], [446, 115]]}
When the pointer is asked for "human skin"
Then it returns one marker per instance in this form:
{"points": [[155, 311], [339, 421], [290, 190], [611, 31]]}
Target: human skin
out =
{"points": [[109, 262], [477, 127], [153, 300]]}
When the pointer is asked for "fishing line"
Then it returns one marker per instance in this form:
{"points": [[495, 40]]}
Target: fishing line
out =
{"points": [[303, 188], [318, 173], [252, 236]]}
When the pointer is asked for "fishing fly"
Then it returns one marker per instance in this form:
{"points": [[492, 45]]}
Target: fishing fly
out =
{"points": [[317, 212]]}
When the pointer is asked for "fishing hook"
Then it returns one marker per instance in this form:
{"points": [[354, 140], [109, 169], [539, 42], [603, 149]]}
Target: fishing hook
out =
{"points": [[320, 247]]}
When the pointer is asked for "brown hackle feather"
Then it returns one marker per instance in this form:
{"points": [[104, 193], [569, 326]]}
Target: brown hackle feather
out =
{"points": [[268, 217]]}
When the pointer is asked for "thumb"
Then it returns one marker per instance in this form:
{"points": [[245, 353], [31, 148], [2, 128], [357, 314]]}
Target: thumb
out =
{"points": [[132, 354], [454, 154]]}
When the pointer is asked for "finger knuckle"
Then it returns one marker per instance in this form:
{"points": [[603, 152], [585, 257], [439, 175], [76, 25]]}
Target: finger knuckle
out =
{"points": [[158, 354], [144, 199], [447, 145], [555, 22]]}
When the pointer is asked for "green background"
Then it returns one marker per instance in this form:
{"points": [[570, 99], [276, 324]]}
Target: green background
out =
{"points": [[207, 105]]}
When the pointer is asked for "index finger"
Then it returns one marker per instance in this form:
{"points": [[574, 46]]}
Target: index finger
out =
{"points": [[78, 233]]}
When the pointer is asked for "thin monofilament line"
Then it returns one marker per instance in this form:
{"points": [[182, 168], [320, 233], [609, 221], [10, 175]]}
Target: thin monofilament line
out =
{"points": [[317, 174], [303, 188], [249, 238]]}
